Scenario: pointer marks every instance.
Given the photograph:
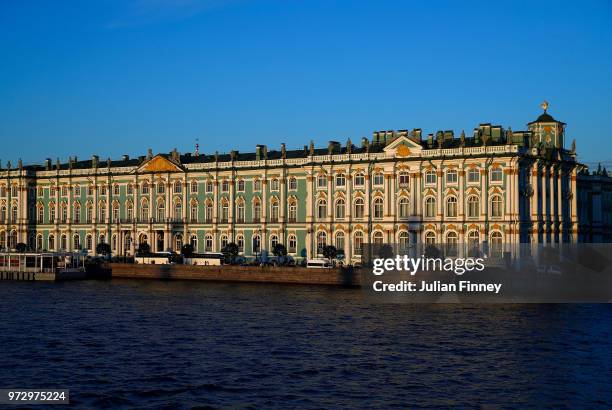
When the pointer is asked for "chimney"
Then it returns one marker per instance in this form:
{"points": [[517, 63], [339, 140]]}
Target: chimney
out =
{"points": [[48, 164], [94, 161]]}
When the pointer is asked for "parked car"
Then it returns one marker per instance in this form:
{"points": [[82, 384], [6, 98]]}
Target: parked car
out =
{"points": [[319, 264]]}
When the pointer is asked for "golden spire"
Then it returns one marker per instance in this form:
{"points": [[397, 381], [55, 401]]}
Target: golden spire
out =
{"points": [[544, 105]]}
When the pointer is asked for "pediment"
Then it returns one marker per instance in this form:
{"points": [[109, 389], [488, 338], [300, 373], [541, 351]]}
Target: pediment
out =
{"points": [[160, 164], [403, 147]]}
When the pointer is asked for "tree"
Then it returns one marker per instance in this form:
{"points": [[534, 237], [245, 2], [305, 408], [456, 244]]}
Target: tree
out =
{"points": [[187, 250], [143, 249], [279, 250], [330, 252], [103, 249], [21, 247], [230, 251]]}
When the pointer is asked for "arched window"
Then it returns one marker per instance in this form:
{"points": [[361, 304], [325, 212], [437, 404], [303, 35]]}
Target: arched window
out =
{"points": [[114, 244], [115, 211], [102, 239], [208, 243], [129, 212], [403, 240], [292, 211], [321, 241], [194, 242], [292, 184], [340, 208], [144, 189], [340, 241], [76, 241], [224, 241], [51, 243], [193, 212], [359, 208], [473, 240], [321, 209], [240, 212], [430, 238], [144, 211], [256, 211], [89, 242], [452, 241], [13, 240], [208, 212], [378, 209], [64, 209], [274, 184], [273, 241], [63, 242], [404, 207], [39, 242], [51, 212], [430, 207], [496, 206], [178, 187], [240, 243], [102, 211], [15, 213], [127, 244], [178, 242], [451, 206], [161, 211], [274, 211], [292, 242], [256, 241], [3, 214], [404, 179], [178, 210], [40, 214], [496, 244], [377, 238], [357, 242], [224, 211], [473, 206]]}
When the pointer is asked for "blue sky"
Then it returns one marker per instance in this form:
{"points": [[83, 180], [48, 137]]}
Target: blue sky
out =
{"points": [[118, 77]]}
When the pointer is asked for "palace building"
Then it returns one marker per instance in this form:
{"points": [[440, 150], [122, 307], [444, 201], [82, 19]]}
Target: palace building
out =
{"points": [[496, 185]]}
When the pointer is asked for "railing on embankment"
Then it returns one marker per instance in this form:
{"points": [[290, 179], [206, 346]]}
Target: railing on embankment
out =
{"points": [[228, 273]]}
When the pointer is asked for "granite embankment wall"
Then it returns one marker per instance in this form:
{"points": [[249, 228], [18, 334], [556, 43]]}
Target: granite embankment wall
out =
{"points": [[295, 275]]}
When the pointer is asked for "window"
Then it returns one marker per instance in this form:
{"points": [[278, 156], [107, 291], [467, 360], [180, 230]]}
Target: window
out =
{"points": [[77, 190], [224, 212], [102, 211], [51, 212], [193, 212], [14, 213], [357, 242], [256, 211], [340, 241], [208, 212], [225, 186], [321, 181], [161, 187], [89, 242], [76, 242], [321, 241], [76, 213], [14, 191], [178, 211], [194, 242], [378, 209], [257, 185], [64, 209], [145, 188], [209, 186], [452, 242], [178, 187], [451, 176], [40, 191], [340, 208], [496, 244], [496, 174], [63, 243], [359, 179], [224, 241], [359, 208], [473, 206], [129, 212], [115, 212], [40, 217], [379, 179], [404, 207], [377, 238], [430, 177], [451, 206], [403, 240], [473, 240], [130, 189], [116, 189], [292, 211], [430, 207], [240, 185], [274, 212], [161, 211], [240, 212], [256, 244], [51, 241], [208, 243], [292, 242], [430, 238], [64, 190], [274, 184], [39, 242], [292, 184], [194, 187], [240, 243], [89, 213], [3, 214], [496, 206], [473, 175], [273, 241], [404, 178], [340, 180], [144, 211], [178, 242], [322, 209]]}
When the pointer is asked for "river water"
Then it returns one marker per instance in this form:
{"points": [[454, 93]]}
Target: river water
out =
{"points": [[154, 344]]}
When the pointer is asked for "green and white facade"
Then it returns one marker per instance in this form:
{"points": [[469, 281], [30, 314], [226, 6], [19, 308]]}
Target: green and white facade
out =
{"points": [[399, 187]]}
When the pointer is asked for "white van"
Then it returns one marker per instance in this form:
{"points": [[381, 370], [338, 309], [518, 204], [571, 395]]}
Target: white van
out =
{"points": [[318, 264]]}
